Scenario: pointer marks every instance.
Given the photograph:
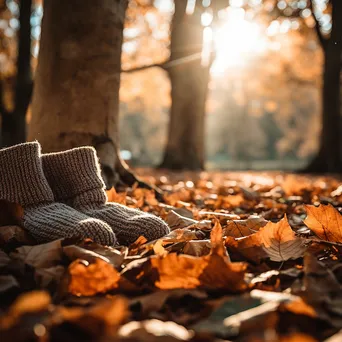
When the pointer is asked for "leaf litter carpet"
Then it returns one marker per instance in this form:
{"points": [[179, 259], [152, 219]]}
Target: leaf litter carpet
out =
{"points": [[250, 257]]}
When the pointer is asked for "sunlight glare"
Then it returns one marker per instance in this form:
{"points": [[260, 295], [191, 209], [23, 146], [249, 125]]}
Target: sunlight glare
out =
{"points": [[236, 41]]}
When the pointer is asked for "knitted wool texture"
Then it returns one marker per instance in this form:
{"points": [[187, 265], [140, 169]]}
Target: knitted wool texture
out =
{"points": [[22, 181], [75, 178]]}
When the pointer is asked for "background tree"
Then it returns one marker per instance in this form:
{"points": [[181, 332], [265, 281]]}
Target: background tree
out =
{"points": [[189, 78], [329, 157], [13, 127], [76, 94]]}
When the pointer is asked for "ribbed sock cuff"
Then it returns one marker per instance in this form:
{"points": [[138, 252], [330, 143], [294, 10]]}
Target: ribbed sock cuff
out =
{"points": [[21, 175], [72, 172]]}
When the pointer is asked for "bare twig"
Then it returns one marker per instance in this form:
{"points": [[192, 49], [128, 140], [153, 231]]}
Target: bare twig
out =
{"points": [[144, 67]]}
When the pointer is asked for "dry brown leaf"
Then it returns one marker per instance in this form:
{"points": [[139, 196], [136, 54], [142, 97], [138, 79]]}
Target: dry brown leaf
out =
{"points": [[88, 279], [100, 319], [325, 221], [276, 241], [40, 256], [29, 302], [44, 277], [74, 252], [114, 255], [183, 234], [322, 290], [299, 307], [159, 249], [7, 282], [113, 196], [176, 221], [4, 259], [297, 337], [213, 271], [156, 300], [16, 234], [197, 248], [242, 228], [10, 213]]}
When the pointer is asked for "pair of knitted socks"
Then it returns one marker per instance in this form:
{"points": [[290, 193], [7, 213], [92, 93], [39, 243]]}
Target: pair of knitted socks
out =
{"points": [[63, 195]]}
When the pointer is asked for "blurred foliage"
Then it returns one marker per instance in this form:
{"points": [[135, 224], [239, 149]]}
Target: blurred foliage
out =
{"points": [[264, 99], [264, 94]]}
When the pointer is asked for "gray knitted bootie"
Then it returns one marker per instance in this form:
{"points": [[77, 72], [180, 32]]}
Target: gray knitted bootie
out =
{"points": [[75, 179], [22, 181]]}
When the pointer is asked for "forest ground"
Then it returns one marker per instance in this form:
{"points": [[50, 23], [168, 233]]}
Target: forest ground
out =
{"points": [[252, 256]]}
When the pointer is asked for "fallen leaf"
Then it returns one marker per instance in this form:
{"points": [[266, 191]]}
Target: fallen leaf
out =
{"points": [[40, 256], [30, 302], [322, 288], [4, 259], [280, 242], [113, 196], [299, 307], [175, 220], [98, 320], [297, 337], [183, 234], [88, 279], [114, 255], [16, 235], [7, 282], [155, 301], [325, 221], [242, 228], [159, 249], [213, 271], [74, 252], [44, 277], [276, 241], [197, 247]]}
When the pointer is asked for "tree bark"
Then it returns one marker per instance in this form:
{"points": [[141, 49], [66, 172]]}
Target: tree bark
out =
{"points": [[189, 87], [13, 128], [76, 94], [329, 157]]}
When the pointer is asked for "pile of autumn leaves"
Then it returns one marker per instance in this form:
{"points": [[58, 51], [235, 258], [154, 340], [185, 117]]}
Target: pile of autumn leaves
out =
{"points": [[249, 238]]}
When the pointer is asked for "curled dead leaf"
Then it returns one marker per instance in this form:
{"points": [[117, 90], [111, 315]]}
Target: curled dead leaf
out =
{"points": [[213, 271], [113, 196], [325, 221], [88, 279], [276, 241], [242, 228], [101, 319], [40, 256], [175, 220], [19, 236], [29, 302]]}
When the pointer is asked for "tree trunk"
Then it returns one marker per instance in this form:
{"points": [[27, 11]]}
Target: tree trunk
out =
{"points": [[14, 123], [189, 87], [76, 93], [329, 157]]}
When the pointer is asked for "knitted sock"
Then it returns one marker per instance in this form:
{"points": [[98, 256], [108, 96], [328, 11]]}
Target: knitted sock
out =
{"points": [[22, 181], [74, 177]]}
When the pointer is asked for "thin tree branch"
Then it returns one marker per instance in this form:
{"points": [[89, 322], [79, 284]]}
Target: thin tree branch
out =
{"points": [[323, 41], [167, 65], [144, 67]]}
